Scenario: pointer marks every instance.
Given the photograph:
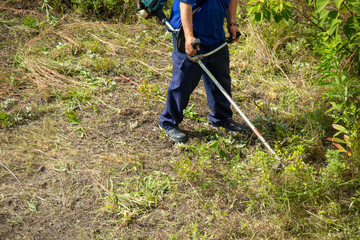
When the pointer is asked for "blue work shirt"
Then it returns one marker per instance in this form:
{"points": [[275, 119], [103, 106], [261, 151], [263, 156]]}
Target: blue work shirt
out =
{"points": [[208, 21]]}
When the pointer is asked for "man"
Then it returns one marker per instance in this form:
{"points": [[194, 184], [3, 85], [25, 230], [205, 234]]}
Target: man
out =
{"points": [[207, 25]]}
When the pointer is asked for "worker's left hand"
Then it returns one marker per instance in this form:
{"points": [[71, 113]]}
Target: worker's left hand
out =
{"points": [[233, 31]]}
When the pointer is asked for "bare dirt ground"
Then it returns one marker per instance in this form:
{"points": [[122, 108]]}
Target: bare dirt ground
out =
{"points": [[64, 173]]}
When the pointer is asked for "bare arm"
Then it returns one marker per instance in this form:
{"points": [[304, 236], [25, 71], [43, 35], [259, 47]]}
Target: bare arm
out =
{"points": [[187, 23], [231, 19]]}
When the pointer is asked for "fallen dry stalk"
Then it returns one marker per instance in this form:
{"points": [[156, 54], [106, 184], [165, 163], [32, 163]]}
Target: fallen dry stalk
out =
{"points": [[112, 47], [9, 171], [44, 76]]}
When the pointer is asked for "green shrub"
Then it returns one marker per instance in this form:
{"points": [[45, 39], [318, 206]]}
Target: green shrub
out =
{"points": [[107, 9], [334, 28]]}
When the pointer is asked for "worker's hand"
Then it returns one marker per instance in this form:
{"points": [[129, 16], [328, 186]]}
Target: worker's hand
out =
{"points": [[189, 49], [233, 31]]}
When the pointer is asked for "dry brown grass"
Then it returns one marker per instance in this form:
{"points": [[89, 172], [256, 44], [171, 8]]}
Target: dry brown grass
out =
{"points": [[45, 74]]}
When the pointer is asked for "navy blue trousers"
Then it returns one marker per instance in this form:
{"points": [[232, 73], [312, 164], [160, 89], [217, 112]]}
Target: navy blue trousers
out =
{"points": [[186, 76]]}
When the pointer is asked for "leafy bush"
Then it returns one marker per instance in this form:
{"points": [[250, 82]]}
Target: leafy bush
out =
{"points": [[123, 9], [335, 38], [331, 30]]}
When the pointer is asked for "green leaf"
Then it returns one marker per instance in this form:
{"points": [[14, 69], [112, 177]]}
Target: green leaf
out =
{"points": [[256, 7], [351, 25], [266, 13], [338, 3], [321, 4], [258, 17], [275, 8], [286, 14], [223, 154], [325, 84], [340, 128], [213, 145], [288, 4], [277, 17], [337, 140], [323, 16], [341, 148], [333, 14], [330, 75], [334, 27], [346, 93]]}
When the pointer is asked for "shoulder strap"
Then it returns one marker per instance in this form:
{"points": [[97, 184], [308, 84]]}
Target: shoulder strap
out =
{"points": [[198, 6]]}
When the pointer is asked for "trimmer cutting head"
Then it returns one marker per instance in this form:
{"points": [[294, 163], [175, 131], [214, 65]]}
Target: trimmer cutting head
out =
{"points": [[148, 8]]}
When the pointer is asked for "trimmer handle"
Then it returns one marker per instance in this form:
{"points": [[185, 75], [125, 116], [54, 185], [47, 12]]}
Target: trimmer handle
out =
{"points": [[196, 43], [230, 39], [161, 16]]}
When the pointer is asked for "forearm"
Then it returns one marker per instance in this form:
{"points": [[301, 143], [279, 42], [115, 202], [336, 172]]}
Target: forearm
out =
{"points": [[231, 20], [187, 24], [231, 14], [186, 19]]}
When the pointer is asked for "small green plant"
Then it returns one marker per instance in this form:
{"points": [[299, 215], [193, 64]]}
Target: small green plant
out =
{"points": [[278, 9], [136, 198], [6, 120], [30, 21], [349, 142], [336, 166], [34, 203], [190, 113], [103, 65], [194, 232], [67, 168], [71, 116], [10, 118], [152, 91]]}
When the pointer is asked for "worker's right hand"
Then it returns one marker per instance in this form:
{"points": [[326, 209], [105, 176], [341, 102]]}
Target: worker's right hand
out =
{"points": [[189, 49]]}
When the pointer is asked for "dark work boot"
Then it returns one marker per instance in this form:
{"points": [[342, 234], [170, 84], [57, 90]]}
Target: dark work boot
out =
{"points": [[231, 125], [175, 134]]}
